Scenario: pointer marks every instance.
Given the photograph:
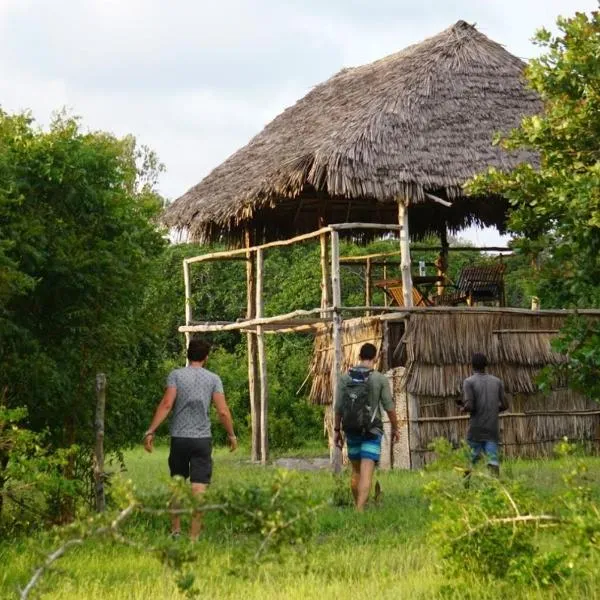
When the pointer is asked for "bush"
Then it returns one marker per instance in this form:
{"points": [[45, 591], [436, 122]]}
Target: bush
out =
{"points": [[500, 529]]}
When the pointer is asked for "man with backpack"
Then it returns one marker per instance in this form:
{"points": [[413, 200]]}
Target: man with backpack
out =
{"points": [[361, 394]]}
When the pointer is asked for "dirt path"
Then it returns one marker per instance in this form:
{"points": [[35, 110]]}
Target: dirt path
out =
{"points": [[303, 464]]}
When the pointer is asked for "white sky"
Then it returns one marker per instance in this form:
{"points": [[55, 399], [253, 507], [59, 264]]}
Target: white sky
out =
{"points": [[196, 79]]}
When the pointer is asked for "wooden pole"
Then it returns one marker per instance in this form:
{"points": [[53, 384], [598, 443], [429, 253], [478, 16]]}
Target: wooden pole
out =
{"points": [[99, 448], [416, 460], [188, 299], [442, 261], [324, 273], [253, 389], [407, 286], [368, 281], [262, 362], [385, 296], [335, 452]]}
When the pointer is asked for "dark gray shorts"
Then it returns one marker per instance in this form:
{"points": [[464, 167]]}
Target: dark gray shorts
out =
{"points": [[191, 457]]}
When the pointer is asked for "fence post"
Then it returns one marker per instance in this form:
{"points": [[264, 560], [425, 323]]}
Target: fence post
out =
{"points": [[99, 448]]}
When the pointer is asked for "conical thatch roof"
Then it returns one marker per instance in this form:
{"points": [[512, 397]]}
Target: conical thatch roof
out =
{"points": [[418, 121]]}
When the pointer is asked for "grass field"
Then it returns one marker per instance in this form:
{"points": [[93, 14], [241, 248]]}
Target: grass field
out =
{"points": [[383, 553]]}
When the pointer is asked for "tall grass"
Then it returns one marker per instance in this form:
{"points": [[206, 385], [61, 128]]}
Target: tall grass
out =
{"points": [[383, 553]]}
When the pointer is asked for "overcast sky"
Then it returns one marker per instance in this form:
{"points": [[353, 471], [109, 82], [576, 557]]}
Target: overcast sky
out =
{"points": [[195, 79]]}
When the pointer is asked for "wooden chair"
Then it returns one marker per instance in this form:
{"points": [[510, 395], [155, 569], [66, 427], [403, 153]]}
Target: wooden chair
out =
{"points": [[393, 290], [478, 283]]}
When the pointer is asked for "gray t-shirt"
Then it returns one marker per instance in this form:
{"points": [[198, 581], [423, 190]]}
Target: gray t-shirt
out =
{"points": [[195, 387], [484, 399]]}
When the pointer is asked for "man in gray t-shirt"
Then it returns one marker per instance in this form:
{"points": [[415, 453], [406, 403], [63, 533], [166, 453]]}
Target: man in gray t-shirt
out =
{"points": [[483, 399], [189, 394]]}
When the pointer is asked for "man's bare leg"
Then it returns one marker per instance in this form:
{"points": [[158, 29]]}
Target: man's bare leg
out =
{"points": [[175, 519], [197, 489], [355, 479], [367, 468]]}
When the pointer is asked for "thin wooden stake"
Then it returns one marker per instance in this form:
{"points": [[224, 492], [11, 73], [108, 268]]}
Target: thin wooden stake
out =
{"points": [[336, 454], [99, 448], [368, 281], [188, 299], [253, 383], [262, 362], [407, 286], [324, 274]]}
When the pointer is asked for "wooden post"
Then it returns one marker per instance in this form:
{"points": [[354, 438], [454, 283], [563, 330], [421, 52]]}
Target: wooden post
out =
{"points": [[188, 299], [335, 452], [368, 278], [262, 362], [385, 296], [414, 437], [407, 286], [253, 383], [442, 260], [324, 273], [99, 448]]}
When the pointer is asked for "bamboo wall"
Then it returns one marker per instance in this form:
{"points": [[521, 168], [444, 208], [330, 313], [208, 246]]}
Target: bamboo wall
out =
{"points": [[530, 428]]}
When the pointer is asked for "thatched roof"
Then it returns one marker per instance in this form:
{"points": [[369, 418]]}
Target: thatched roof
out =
{"points": [[418, 121]]}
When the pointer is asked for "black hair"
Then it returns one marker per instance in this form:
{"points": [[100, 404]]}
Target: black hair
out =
{"points": [[479, 361], [197, 350], [367, 352]]}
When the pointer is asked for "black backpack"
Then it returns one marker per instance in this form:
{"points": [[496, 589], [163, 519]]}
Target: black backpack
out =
{"points": [[358, 416]]}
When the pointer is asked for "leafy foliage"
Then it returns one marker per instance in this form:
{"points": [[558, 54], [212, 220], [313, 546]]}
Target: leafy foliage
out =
{"points": [[31, 476], [500, 529], [556, 206]]}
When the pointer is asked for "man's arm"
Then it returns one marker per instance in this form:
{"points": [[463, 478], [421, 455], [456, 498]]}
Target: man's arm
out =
{"points": [[468, 403], [162, 410], [390, 408], [224, 415], [394, 421], [338, 439], [502, 401]]}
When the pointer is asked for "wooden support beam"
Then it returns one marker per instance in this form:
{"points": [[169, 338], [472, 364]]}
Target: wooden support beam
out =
{"points": [[386, 300], [336, 453], [245, 324], [252, 346], [324, 273], [346, 260], [381, 226], [442, 261], [368, 286], [188, 299], [416, 460], [262, 362], [243, 251], [407, 286], [294, 240]]}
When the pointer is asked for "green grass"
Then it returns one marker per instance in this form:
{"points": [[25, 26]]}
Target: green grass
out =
{"points": [[383, 553]]}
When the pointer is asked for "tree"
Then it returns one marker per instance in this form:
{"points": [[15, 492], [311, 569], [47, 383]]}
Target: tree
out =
{"points": [[78, 247], [556, 205], [559, 202]]}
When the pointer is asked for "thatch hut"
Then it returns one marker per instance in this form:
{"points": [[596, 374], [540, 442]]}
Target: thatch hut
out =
{"points": [[385, 146], [427, 354], [410, 128]]}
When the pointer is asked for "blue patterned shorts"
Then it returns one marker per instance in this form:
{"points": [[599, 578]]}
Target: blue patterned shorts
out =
{"points": [[364, 446]]}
